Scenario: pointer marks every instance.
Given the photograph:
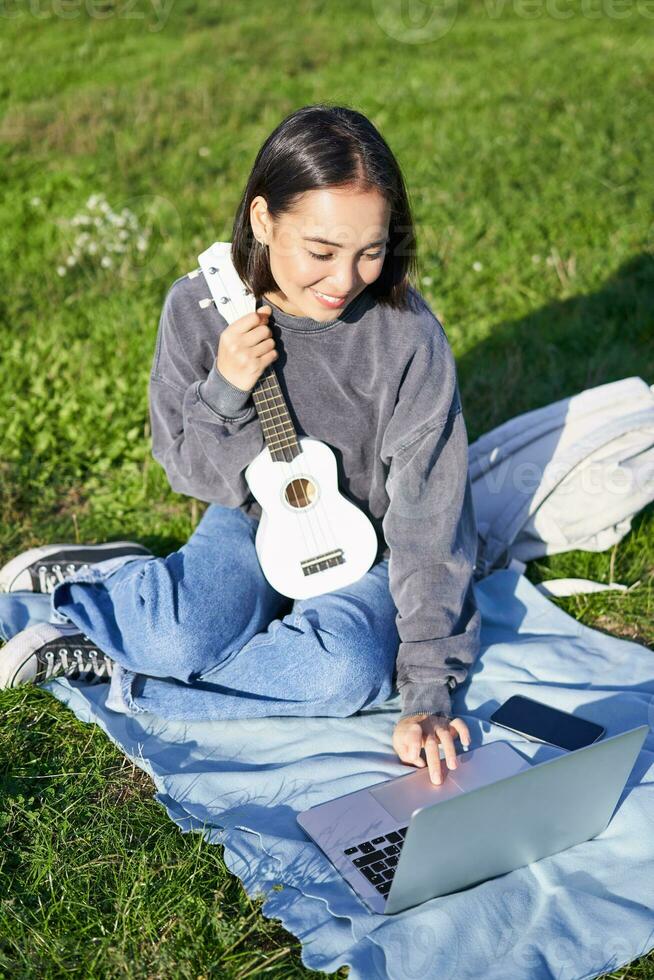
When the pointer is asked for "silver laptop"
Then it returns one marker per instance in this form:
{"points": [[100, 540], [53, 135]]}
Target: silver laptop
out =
{"points": [[405, 840]]}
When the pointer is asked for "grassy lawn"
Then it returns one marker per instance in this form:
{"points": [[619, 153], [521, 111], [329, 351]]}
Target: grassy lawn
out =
{"points": [[526, 137]]}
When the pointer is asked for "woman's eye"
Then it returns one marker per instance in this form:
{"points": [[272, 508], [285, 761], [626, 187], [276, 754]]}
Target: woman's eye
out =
{"points": [[323, 258]]}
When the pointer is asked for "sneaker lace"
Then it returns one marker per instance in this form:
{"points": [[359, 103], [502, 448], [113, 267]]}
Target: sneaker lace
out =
{"points": [[77, 662], [49, 576]]}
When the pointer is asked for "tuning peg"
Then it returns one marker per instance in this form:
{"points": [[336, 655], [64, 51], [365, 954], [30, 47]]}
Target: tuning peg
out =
{"points": [[204, 303]]}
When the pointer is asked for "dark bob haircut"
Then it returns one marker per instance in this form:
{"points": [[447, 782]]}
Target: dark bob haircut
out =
{"points": [[321, 146]]}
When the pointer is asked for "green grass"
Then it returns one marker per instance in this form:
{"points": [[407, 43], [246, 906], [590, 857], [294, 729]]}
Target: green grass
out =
{"points": [[527, 148]]}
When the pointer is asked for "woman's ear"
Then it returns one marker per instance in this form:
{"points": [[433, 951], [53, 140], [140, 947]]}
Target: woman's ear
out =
{"points": [[259, 219]]}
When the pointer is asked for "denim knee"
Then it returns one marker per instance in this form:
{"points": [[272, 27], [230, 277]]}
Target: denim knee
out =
{"points": [[157, 625]]}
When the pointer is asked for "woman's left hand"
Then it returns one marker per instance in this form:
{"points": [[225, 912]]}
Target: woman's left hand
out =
{"points": [[411, 734]]}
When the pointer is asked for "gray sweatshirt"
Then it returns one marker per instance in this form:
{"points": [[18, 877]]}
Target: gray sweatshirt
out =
{"points": [[379, 387]]}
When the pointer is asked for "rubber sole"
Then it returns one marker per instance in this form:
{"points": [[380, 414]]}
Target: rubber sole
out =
{"points": [[16, 653]]}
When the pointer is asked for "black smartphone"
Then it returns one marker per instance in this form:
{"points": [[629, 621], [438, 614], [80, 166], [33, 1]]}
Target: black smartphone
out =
{"points": [[540, 723]]}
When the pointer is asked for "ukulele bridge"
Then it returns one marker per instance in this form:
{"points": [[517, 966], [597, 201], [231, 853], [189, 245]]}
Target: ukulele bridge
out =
{"points": [[318, 564]]}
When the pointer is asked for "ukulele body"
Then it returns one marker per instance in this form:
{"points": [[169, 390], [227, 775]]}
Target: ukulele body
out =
{"points": [[310, 539]]}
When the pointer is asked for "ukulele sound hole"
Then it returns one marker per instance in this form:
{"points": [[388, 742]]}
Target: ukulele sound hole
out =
{"points": [[300, 492]]}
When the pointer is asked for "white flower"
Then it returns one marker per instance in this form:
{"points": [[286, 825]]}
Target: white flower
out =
{"points": [[61, 270], [203, 151], [535, 259], [427, 280], [477, 266], [109, 232], [35, 201]]}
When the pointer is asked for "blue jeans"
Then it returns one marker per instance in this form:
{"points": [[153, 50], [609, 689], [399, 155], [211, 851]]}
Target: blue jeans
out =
{"points": [[201, 634]]}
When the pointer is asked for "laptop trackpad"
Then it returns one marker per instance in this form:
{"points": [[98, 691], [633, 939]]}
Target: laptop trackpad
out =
{"points": [[486, 764], [404, 794]]}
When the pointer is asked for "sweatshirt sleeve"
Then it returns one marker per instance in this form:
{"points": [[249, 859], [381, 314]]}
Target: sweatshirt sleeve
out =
{"points": [[431, 531], [205, 431]]}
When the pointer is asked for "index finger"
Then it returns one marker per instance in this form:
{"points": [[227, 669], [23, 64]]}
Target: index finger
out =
{"points": [[448, 747], [433, 759]]}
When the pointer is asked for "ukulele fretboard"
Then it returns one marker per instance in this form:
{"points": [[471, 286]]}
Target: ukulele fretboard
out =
{"points": [[278, 429]]}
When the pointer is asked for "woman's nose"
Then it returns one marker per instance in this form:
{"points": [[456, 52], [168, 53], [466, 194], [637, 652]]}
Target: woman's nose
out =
{"points": [[345, 280]]}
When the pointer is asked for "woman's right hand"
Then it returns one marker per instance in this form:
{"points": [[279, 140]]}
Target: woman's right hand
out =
{"points": [[415, 731], [246, 348]]}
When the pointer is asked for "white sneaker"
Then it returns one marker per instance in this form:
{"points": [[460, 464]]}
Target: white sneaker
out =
{"points": [[40, 569], [48, 650]]}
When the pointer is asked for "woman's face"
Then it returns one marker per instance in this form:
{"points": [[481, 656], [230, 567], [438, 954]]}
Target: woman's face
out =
{"points": [[318, 279]]}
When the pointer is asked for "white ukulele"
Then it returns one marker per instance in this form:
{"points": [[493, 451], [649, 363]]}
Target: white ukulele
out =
{"points": [[310, 539]]}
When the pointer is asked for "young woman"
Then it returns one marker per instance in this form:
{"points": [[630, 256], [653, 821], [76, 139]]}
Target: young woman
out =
{"points": [[324, 239]]}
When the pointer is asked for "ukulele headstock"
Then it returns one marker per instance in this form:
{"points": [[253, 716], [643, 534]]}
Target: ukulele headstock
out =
{"points": [[229, 294]]}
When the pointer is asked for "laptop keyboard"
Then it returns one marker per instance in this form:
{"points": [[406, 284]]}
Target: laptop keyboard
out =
{"points": [[377, 858]]}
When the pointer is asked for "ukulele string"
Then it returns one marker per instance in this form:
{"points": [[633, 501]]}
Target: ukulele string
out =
{"points": [[316, 512], [288, 467], [289, 471]]}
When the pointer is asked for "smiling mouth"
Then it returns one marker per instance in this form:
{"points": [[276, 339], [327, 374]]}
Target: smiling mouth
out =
{"points": [[329, 297]]}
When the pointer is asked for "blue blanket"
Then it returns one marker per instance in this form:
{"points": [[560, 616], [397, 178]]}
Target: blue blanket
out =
{"points": [[580, 913]]}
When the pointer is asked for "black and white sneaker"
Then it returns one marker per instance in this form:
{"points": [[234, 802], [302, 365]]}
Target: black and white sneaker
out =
{"points": [[40, 569], [48, 650]]}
